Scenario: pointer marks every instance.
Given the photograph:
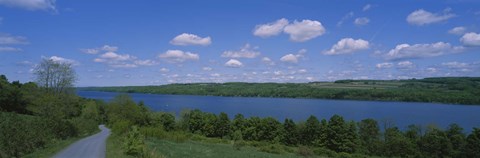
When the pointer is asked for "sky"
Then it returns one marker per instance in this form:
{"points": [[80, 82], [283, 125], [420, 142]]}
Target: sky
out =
{"points": [[153, 42]]}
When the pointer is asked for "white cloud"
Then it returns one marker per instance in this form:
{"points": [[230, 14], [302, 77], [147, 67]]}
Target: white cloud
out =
{"points": [[471, 39], [457, 30], [289, 58], [268, 61], [304, 30], [366, 7], [63, 60], [270, 29], [207, 69], [361, 21], [293, 58], [302, 71], [455, 64], [186, 39], [164, 70], [344, 18], [405, 65], [347, 46], [30, 4], [9, 39], [9, 49], [384, 65], [104, 48], [421, 17], [178, 56], [234, 63], [117, 57], [109, 48], [406, 51], [147, 62], [245, 52]]}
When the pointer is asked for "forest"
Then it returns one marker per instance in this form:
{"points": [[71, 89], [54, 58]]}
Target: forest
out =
{"points": [[451, 90]]}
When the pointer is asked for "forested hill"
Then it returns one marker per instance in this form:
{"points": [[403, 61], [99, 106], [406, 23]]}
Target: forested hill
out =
{"points": [[453, 90]]}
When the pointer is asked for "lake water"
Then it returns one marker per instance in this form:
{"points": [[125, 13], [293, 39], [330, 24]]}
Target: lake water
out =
{"points": [[400, 113]]}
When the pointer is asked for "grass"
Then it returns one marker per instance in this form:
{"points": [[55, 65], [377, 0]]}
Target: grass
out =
{"points": [[114, 147], [194, 149], [52, 149]]}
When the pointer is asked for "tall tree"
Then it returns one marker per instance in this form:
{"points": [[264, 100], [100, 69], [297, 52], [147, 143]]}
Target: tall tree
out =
{"points": [[337, 132], [472, 148], [369, 134], [457, 139], [291, 132], [223, 125], [55, 77]]}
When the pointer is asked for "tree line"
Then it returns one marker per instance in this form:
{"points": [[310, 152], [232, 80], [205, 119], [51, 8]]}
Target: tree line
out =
{"points": [[454, 90], [326, 137]]}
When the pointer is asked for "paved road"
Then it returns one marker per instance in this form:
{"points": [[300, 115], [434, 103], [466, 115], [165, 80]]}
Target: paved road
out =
{"points": [[91, 147]]}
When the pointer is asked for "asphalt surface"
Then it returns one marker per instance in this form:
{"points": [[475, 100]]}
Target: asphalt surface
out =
{"points": [[90, 147]]}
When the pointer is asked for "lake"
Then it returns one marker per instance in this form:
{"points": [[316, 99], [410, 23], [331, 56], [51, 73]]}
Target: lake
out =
{"points": [[401, 114]]}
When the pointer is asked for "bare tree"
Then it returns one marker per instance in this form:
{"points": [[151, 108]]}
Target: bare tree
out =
{"points": [[55, 77]]}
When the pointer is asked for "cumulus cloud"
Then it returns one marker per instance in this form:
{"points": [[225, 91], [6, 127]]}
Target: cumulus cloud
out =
{"points": [[30, 4], [117, 60], [207, 69], [186, 39], [471, 39], [361, 21], [164, 70], [9, 49], [405, 65], [270, 29], [8, 39], [245, 52], [104, 48], [178, 56], [234, 63], [301, 31], [422, 17], [455, 64], [58, 59], [384, 65], [457, 30], [293, 58], [347, 46], [406, 51], [268, 61]]}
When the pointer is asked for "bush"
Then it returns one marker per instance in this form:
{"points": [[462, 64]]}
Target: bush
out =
{"points": [[156, 132], [84, 126], [238, 144], [324, 152], [134, 143], [304, 151], [121, 127], [273, 148]]}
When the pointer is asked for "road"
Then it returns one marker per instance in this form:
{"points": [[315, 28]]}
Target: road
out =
{"points": [[91, 147]]}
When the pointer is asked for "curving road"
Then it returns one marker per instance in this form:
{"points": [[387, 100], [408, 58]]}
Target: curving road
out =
{"points": [[91, 147]]}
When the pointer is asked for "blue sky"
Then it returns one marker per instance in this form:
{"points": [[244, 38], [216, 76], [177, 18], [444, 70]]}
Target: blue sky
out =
{"points": [[116, 43]]}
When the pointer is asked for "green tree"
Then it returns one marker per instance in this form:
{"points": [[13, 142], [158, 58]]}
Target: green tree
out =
{"points": [[435, 143], [209, 127], [457, 139], [238, 123], [134, 143], [55, 77], [337, 134], [396, 144], [223, 125], [472, 148], [369, 133], [291, 132], [311, 133]]}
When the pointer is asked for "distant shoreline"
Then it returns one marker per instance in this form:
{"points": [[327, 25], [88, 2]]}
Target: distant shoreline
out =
{"points": [[448, 90]]}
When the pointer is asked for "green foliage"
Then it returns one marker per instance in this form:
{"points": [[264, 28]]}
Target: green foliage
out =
{"points": [[162, 119], [305, 151], [435, 143], [472, 148], [291, 133], [396, 144], [369, 134], [134, 143]]}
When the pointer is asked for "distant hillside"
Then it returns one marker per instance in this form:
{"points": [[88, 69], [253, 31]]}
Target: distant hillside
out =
{"points": [[454, 90]]}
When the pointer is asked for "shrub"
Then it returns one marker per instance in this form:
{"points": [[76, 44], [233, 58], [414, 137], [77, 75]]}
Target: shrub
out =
{"points": [[238, 144], [304, 151], [84, 126], [273, 148], [324, 152], [134, 143], [121, 127]]}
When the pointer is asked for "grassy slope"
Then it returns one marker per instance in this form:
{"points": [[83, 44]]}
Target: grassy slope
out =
{"points": [[193, 149]]}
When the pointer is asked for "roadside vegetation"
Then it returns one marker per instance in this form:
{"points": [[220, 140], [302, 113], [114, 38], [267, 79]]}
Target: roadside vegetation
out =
{"points": [[144, 133], [452, 90], [45, 116]]}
